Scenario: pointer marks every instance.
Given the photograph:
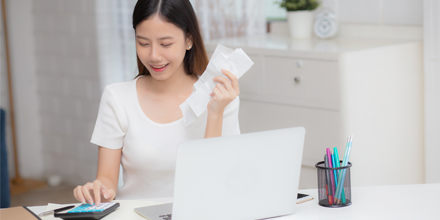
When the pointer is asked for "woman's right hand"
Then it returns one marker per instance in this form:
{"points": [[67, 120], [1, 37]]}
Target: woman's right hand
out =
{"points": [[94, 192]]}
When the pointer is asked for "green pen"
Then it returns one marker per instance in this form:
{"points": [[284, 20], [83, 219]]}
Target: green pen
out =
{"points": [[335, 151]]}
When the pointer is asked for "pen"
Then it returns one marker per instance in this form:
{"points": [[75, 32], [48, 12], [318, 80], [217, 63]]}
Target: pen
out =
{"points": [[329, 159], [327, 180], [342, 174], [46, 213], [334, 171], [335, 152]]}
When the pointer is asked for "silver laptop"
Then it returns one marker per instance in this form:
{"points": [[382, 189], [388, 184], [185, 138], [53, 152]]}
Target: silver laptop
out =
{"points": [[247, 176]]}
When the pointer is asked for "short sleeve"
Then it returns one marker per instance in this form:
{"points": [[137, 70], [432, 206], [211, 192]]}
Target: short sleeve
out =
{"points": [[109, 130], [230, 118]]}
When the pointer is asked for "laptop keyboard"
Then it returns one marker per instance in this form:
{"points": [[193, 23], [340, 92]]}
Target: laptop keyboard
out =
{"points": [[166, 217]]}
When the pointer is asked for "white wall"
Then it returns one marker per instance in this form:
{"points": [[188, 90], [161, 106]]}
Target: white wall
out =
{"points": [[57, 86], [432, 89], [380, 12], [21, 45], [4, 98], [68, 86]]}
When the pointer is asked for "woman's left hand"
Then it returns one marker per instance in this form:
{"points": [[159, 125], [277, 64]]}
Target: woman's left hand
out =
{"points": [[224, 92]]}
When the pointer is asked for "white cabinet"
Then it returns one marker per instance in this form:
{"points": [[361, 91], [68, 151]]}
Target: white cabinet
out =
{"points": [[371, 89]]}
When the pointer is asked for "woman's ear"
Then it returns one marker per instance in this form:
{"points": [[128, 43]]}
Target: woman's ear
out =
{"points": [[189, 42]]}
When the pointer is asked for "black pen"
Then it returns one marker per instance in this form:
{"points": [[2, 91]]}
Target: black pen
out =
{"points": [[46, 213]]}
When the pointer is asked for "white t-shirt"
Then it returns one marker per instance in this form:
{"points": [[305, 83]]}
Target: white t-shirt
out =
{"points": [[148, 148]]}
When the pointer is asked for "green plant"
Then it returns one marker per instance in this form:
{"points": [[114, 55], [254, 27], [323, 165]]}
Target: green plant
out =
{"points": [[298, 5]]}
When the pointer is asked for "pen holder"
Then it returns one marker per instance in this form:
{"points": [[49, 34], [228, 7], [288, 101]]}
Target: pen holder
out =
{"points": [[326, 183]]}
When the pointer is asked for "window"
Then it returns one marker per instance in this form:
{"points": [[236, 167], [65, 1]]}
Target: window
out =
{"points": [[273, 11]]}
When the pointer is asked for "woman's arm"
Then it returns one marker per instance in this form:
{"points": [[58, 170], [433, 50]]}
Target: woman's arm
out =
{"points": [[104, 188], [224, 93], [109, 161], [214, 125]]}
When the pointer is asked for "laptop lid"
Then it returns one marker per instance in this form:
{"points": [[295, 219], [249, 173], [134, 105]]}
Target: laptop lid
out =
{"points": [[248, 176]]}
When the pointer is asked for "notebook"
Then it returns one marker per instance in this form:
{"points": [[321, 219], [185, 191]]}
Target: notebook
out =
{"points": [[19, 212]]}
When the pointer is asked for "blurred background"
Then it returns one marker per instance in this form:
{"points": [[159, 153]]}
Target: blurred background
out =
{"points": [[64, 52]]}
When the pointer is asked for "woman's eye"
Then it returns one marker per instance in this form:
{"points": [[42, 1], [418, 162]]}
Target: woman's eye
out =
{"points": [[166, 45], [143, 44]]}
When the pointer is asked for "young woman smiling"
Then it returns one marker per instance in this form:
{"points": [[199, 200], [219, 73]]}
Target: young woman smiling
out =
{"points": [[140, 122]]}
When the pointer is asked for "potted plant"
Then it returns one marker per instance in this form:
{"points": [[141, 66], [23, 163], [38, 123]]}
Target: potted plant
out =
{"points": [[300, 16]]}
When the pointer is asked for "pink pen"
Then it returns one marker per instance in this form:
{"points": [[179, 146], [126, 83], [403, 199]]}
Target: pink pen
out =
{"points": [[329, 157]]}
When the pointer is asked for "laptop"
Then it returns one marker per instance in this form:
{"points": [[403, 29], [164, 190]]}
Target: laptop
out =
{"points": [[247, 176]]}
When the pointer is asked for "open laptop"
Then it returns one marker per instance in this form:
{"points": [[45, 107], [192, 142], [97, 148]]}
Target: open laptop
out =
{"points": [[247, 176]]}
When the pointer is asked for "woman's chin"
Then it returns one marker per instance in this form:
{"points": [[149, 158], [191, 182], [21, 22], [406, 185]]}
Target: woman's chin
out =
{"points": [[159, 76]]}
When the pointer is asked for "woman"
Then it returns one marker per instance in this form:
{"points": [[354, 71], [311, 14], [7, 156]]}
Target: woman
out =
{"points": [[140, 123]]}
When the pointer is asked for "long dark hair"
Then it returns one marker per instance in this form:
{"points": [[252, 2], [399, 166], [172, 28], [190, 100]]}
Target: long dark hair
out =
{"points": [[181, 14]]}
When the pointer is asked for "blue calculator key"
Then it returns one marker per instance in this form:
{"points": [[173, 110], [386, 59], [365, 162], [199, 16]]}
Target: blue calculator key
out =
{"points": [[79, 209]]}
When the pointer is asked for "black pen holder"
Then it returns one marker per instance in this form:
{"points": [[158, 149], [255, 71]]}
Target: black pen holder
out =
{"points": [[326, 183]]}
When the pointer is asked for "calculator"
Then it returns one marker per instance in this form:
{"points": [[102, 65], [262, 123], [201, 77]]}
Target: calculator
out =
{"points": [[87, 211]]}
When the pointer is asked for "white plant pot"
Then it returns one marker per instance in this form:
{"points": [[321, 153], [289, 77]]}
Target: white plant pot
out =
{"points": [[300, 24]]}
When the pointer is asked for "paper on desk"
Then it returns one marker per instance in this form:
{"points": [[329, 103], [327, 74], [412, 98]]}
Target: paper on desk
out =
{"points": [[236, 61], [123, 212]]}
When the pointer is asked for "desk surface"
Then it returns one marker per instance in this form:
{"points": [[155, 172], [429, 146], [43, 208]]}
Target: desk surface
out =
{"points": [[380, 202]]}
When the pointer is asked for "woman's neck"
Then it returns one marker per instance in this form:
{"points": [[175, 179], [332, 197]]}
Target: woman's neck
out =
{"points": [[176, 84]]}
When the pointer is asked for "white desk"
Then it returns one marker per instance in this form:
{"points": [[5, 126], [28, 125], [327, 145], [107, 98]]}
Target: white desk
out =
{"points": [[381, 202]]}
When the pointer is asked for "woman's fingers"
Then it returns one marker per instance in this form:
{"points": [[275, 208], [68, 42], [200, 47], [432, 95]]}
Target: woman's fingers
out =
{"points": [[222, 89], [91, 193], [104, 192], [111, 194], [225, 82], [225, 91], [107, 193], [217, 93], [77, 192], [233, 79], [97, 192], [86, 192]]}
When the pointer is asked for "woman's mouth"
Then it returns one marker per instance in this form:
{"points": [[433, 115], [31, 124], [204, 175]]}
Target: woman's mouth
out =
{"points": [[159, 68]]}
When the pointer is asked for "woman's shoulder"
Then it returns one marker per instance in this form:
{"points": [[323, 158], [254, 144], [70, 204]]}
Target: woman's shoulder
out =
{"points": [[120, 86], [120, 91]]}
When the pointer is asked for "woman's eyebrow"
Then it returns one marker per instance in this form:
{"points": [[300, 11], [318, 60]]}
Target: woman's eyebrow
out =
{"points": [[162, 38]]}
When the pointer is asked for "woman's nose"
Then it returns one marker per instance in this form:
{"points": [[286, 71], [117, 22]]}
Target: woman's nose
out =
{"points": [[155, 54]]}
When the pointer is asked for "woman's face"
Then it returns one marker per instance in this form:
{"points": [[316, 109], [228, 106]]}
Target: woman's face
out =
{"points": [[161, 47]]}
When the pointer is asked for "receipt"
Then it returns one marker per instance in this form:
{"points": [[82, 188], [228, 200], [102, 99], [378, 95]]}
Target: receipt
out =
{"points": [[236, 61]]}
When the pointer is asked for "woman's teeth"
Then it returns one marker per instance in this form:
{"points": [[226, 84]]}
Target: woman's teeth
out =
{"points": [[158, 67]]}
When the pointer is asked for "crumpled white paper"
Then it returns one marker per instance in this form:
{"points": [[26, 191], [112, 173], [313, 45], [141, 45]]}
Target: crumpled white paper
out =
{"points": [[236, 61]]}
